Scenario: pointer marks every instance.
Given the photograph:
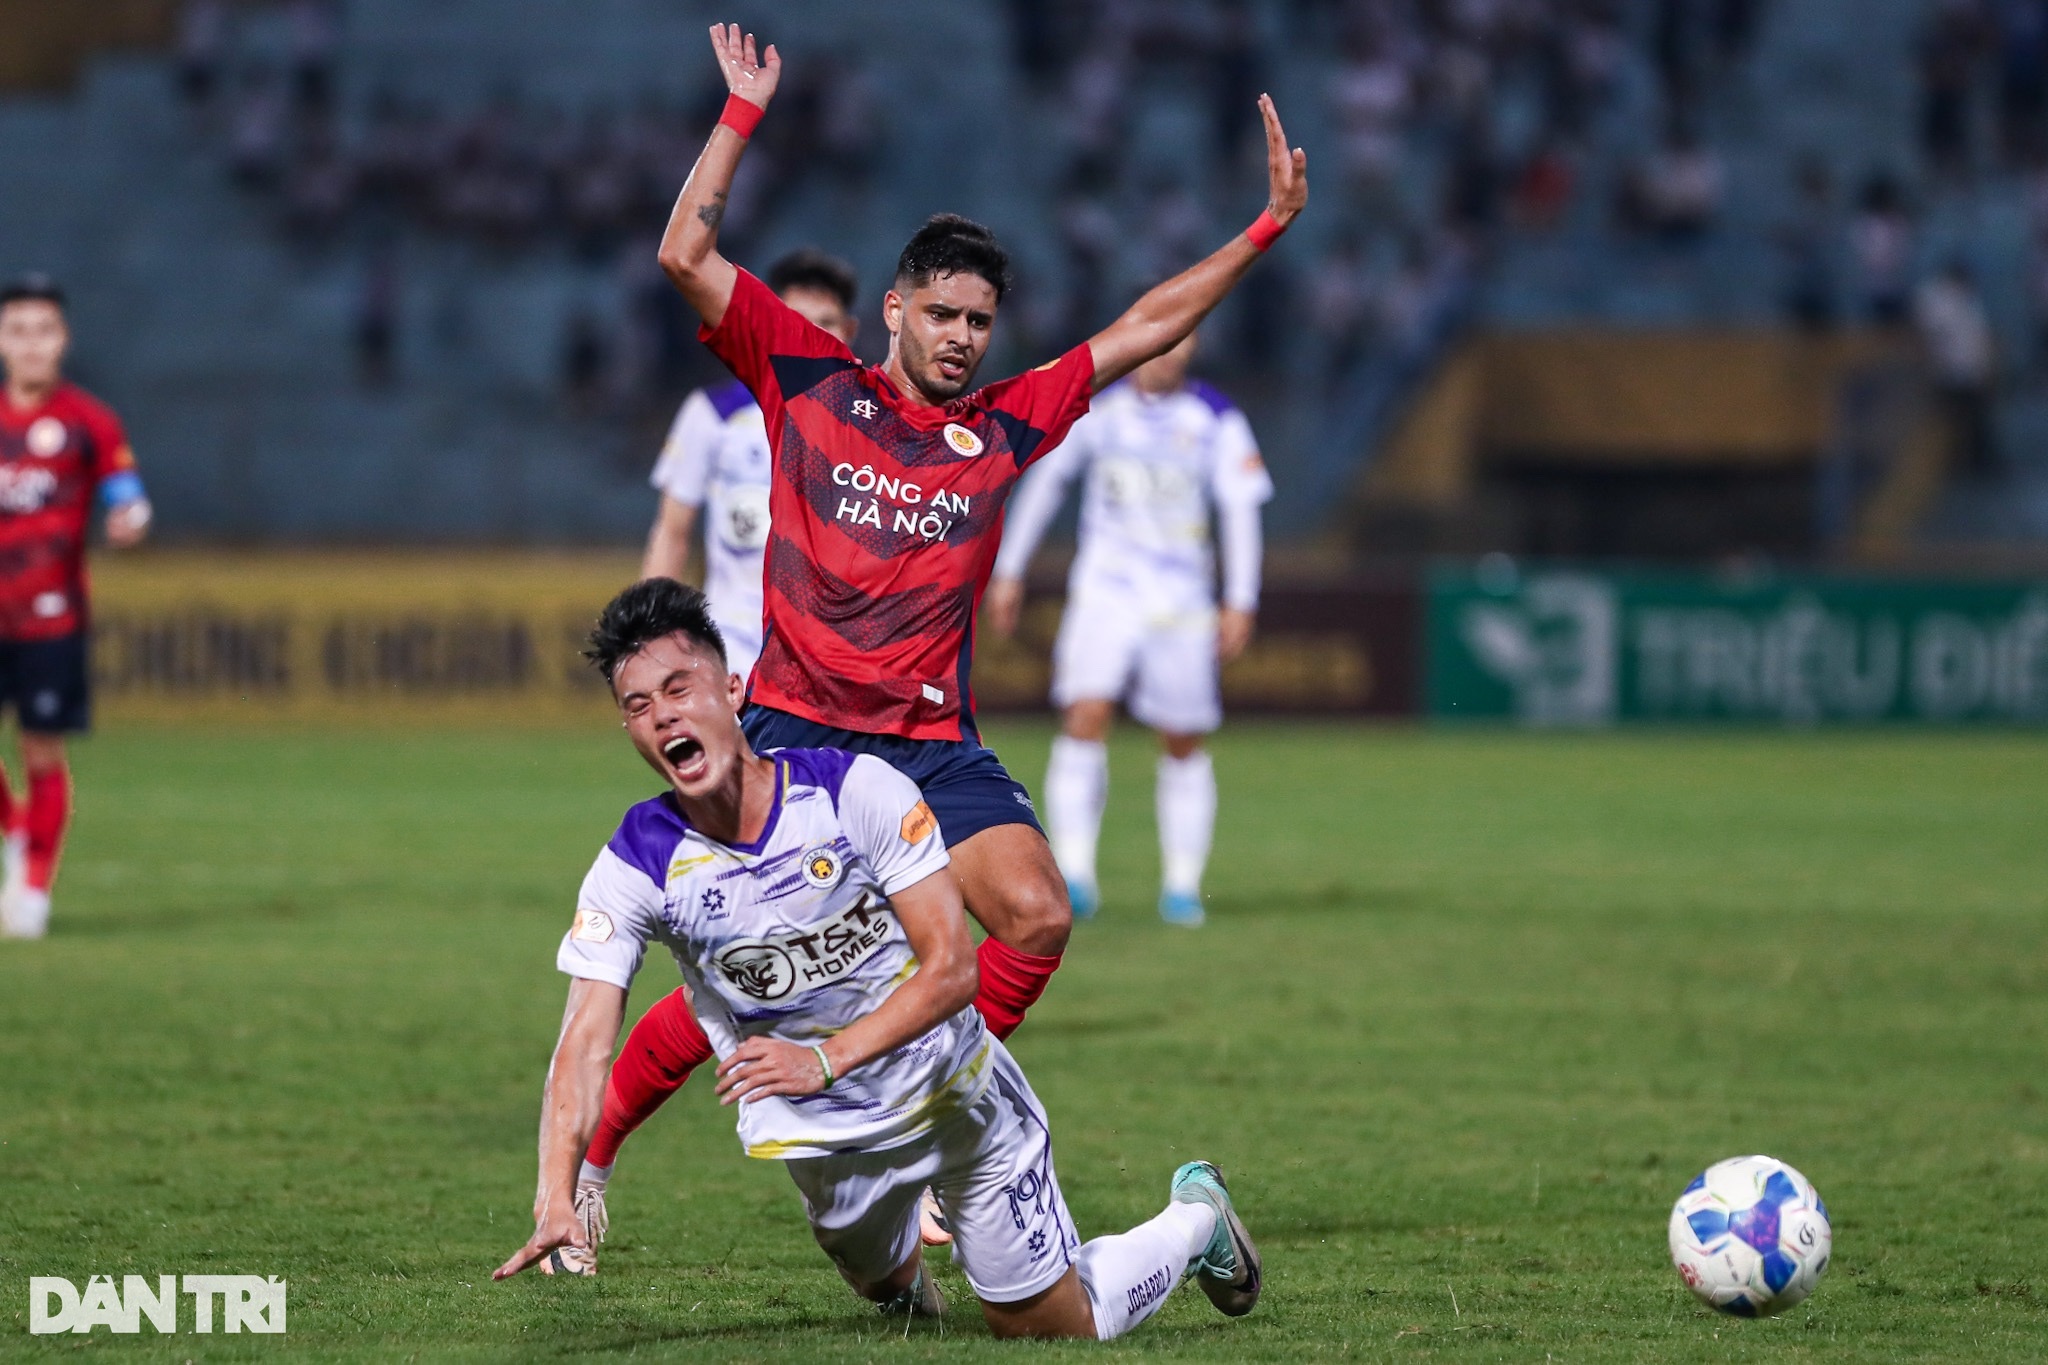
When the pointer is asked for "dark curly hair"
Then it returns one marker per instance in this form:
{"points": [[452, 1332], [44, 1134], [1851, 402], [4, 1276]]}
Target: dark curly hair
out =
{"points": [[948, 244], [810, 268], [650, 610]]}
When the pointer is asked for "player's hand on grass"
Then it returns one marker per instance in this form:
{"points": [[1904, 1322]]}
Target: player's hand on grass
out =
{"points": [[1234, 627], [555, 1226], [1286, 171], [761, 1067], [128, 523], [750, 76], [1004, 603]]}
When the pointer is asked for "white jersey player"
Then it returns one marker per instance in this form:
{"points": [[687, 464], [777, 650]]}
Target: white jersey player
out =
{"points": [[1164, 456], [715, 467], [806, 896]]}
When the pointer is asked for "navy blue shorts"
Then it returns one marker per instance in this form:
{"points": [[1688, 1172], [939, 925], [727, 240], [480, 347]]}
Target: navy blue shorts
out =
{"points": [[45, 682], [965, 784]]}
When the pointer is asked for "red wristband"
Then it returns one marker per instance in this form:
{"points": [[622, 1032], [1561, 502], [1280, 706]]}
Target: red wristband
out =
{"points": [[740, 116], [1265, 230]]}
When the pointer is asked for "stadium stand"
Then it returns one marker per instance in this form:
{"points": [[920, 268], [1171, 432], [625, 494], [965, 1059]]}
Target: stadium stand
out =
{"points": [[397, 282]]}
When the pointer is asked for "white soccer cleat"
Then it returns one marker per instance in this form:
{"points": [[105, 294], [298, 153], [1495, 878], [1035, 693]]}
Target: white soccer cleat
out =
{"points": [[24, 913], [932, 1228], [590, 1211]]}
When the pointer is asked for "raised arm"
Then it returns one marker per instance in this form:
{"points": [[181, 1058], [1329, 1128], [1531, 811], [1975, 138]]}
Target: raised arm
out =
{"points": [[569, 1111], [689, 249], [1158, 322]]}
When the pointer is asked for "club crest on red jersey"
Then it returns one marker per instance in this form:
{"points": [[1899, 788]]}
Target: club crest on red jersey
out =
{"points": [[962, 440], [47, 437]]}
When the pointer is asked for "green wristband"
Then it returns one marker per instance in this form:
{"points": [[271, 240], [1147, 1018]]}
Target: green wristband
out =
{"points": [[825, 1062]]}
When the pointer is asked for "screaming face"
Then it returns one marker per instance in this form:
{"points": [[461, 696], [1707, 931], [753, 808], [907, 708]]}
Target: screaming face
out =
{"points": [[681, 708]]}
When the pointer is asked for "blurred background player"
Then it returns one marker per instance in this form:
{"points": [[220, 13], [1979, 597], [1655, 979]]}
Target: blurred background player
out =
{"points": [[59, 449], [889, 484], [715, 465], [1160, 451]]}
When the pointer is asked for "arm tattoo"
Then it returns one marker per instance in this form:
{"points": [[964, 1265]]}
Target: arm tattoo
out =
{"points": [[713, 212]]}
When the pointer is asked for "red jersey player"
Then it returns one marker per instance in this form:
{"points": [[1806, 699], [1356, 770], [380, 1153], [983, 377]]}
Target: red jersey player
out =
{"points": [[59, 448], [885, 511]]}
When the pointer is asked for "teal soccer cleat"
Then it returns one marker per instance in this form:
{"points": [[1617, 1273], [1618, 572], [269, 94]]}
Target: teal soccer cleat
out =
{"points": [[1228, 1268], [1178, 907]]}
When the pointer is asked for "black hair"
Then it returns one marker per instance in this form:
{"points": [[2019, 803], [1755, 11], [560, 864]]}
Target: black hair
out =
{"points": [[948, 244], [31, 289], [809, 268], [650, 610]]}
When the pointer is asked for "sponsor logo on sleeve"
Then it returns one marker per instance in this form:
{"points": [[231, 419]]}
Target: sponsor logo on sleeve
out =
{"points": [[592, 926], [918, 824]]}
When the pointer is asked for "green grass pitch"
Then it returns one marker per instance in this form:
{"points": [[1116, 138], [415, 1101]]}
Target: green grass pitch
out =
{"points": [[1470, 1009]]}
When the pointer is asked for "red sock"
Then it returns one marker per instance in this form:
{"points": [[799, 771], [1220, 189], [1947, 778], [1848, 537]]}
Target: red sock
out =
{"points": [[49, 810], [660, 1053], [8, 813], [1011, 983]]}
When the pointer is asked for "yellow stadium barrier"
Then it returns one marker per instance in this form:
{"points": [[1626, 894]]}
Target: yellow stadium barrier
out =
{"points": [[492, 638]]}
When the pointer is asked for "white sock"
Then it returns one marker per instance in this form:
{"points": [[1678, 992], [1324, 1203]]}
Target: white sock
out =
{"points": [[1187, 819], [1076, 790], [1128, 1276], [593, 1175]]}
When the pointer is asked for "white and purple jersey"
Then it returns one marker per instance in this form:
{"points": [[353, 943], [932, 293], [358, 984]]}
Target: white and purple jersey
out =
{"points": [[791, 936], [1157, 466], [716, 458]]}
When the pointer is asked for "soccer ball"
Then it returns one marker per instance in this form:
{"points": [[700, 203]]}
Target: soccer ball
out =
{"points": [[1750, 1236]]}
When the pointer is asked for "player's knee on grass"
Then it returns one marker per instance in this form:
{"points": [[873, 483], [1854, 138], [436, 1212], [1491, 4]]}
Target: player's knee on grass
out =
{"points": [[889, 1286], [1063, 1311]]}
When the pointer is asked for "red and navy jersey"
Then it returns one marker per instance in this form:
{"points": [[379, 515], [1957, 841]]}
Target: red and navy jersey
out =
{"points": [[53, 459], [884, 519]]}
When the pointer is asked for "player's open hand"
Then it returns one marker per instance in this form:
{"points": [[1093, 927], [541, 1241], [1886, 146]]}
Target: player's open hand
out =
{"points": [[753, 77], [553, 1228], [1286, 171], [1004, 603], [761, 1067]]}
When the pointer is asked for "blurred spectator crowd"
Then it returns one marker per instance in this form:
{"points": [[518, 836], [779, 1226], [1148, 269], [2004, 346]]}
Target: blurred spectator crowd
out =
{"points": [[513, 173], [1446, 131]]}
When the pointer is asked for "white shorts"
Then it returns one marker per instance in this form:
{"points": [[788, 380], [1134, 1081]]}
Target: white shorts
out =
{"points": [[1166, 669], [991, 1169]]}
